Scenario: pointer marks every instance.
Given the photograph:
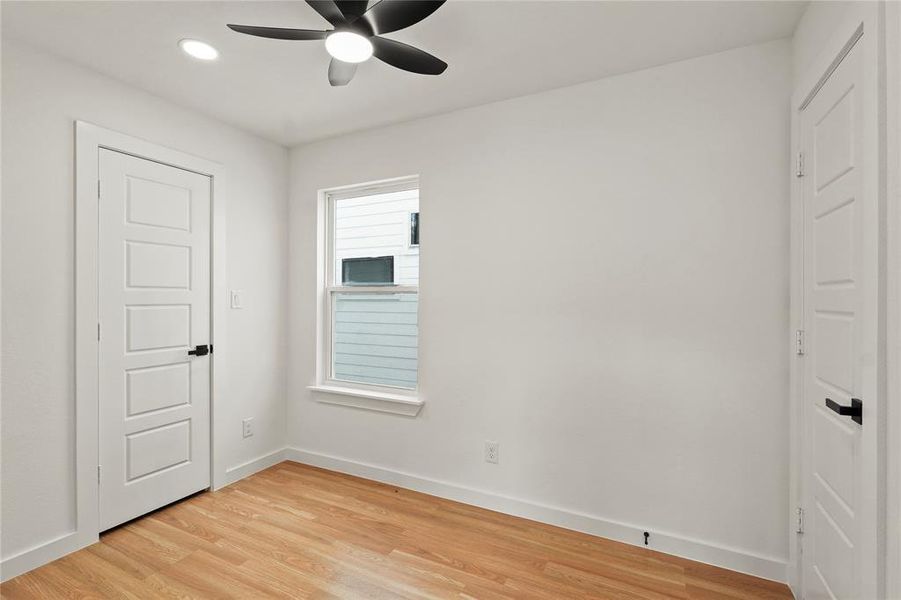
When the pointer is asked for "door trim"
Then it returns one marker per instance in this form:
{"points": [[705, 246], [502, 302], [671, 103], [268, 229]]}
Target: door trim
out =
{"points": [[893, 268], [864, 30], [89, 139]]}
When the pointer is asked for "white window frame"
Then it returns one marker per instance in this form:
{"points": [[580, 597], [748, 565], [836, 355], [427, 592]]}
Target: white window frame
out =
{"points": [[327, 389]]}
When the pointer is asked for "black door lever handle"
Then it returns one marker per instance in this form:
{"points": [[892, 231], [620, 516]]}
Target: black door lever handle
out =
{"points": [[200, 350], [855, 411]]}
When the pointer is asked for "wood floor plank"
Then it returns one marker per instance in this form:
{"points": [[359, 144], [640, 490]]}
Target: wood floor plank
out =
{"points": [[295, 531]]}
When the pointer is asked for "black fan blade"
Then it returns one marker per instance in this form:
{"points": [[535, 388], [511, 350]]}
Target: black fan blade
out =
{"points": [[329, 11], [352, 9], [340, 73], [280, 33], [391, 15], [407, 57]]}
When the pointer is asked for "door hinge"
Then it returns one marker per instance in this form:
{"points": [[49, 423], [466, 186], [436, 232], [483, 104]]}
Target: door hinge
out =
{"points": [[98, 189], [799, 342], [799, 169], [800, 528], [98, 332], [98, 474]]}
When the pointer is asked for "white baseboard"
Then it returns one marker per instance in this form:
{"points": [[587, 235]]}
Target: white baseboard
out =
{"points": [[238, 472], [42, 554], [39, 555], [729, 558]]}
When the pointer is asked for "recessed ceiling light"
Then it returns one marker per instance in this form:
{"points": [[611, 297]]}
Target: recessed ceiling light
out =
{"points": [[199, 49], [348, 47]]}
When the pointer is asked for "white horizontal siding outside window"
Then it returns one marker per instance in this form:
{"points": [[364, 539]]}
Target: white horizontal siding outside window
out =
{"points": [[370, 304]]}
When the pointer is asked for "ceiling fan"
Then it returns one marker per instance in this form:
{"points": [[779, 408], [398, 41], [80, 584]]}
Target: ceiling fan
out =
{"points": [[357, 35]]}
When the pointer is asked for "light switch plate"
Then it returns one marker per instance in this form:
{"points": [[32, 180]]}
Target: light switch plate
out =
{"points": [[237, 298]]}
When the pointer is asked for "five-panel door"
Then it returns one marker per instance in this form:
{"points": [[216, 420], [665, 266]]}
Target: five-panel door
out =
{"points": [[841, 316], [154, 290]]}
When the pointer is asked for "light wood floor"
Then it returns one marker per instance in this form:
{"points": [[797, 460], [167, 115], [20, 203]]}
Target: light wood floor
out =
{"points": [[294, 531]]}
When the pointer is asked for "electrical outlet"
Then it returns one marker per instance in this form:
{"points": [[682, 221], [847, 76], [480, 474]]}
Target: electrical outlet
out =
{"points": [[247, 426], [492, 450]]}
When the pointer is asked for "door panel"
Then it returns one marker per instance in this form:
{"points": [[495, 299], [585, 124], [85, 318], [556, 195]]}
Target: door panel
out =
{"points": [[159, 448], [833, 350], [154, 307], [833, 140], [840, 313], [156, 388], [158, 327], [834, 236], [157, 266], [158, 204], [833, 552]]}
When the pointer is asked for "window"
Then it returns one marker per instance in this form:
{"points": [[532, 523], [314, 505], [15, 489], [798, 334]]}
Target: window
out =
{"points": [[414, 229], [370, 324]]}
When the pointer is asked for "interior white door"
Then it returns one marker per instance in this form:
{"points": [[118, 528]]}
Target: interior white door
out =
{"points": [[839, 548], [154, 308]]}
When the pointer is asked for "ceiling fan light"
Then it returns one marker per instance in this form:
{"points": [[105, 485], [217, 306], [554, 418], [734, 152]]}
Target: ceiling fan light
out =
{"points": [[198, 49], [349, 47]]}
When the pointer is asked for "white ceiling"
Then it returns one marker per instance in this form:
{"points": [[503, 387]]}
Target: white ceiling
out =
{"points": [[279, 90]]}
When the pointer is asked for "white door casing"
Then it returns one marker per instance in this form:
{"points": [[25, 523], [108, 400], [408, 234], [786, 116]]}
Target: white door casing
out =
{"points": [[154, 306], [90, 139], [840, 489]]}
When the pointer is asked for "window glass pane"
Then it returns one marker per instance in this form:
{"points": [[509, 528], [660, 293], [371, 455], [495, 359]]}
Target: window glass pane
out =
{"points": [[367, 271], [414, 229], [375, 338], [377, 226]]}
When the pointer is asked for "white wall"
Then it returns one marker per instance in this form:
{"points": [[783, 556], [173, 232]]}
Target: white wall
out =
{"points": [[42, 96], [604, 291]]}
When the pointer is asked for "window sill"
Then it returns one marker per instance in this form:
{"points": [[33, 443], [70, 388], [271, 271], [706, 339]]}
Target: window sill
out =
{"points": [[378, 401]]}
